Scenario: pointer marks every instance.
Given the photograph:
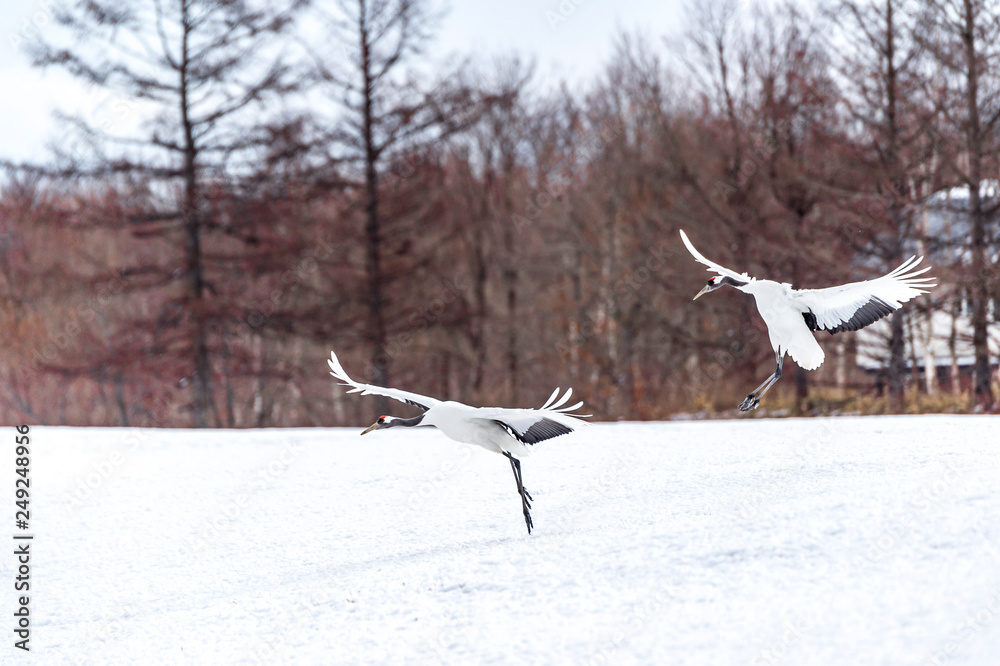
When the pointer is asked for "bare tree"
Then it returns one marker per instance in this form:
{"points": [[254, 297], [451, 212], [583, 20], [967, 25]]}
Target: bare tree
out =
{"points": [[883, 76], [728, 190], [796, 115], [383, 110], [199, 67], [495, 143], [964, 37]]}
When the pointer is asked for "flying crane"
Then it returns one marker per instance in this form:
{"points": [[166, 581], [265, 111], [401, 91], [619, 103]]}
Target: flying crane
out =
{"points": [[791, 315], [506, 431]]}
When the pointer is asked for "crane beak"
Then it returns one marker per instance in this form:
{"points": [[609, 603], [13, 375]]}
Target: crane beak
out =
{"points": [[374, 426], [704, 290]]}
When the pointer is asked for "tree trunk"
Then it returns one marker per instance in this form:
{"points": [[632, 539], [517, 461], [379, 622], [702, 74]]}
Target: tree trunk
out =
{"points": [[510, 284], [927, 329], [840, 376], [955, 374], [979, 287], [896, 374], [575, 330], [477, 337], [373, 268], [201, 379], [801, 375], [120, 397], [259, 403], [230, 402]]}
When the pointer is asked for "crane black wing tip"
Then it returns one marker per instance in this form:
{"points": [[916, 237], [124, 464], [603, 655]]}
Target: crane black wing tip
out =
{"points": [[867, 314], [542, 430]]}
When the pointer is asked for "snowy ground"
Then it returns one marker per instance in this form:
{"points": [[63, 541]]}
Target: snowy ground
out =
{"points": [[822, 541]]}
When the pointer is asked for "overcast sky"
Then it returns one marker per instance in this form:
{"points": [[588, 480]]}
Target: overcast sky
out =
{"points": [[570, 39]]}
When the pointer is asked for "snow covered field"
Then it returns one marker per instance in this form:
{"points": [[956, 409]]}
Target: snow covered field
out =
{"points": [[821, 541]]}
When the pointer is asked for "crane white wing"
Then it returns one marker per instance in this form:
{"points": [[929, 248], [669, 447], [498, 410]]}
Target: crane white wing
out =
{"points": [[337, 370], [530, 426], [853, 306], [712, 266]]}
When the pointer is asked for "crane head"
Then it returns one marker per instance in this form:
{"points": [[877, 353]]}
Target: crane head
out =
{"points": [[383, 422], [712, 285], [392, 421], [720, 281]]}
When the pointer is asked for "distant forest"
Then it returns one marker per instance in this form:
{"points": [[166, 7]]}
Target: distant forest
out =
{"points": [[305, 178]]}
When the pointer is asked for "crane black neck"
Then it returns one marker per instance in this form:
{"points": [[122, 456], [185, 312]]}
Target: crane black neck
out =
{"points": [[732, 282], [409, 423]]}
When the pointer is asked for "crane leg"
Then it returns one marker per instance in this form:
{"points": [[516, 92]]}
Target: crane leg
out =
{"points": [[753, 399], [515, 465]]}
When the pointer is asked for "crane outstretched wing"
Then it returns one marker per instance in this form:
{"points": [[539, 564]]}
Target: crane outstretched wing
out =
{"points": [[712, 266], [415, 399], [530, 426], [853, 306]]}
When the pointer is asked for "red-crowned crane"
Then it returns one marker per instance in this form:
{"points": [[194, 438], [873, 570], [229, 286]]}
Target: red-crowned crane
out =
{"points": [[791, 315], [505, 431]]}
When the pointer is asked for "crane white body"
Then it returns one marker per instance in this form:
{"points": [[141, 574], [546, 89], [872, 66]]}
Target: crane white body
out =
{"points": [[471, 425], [786, 328]]}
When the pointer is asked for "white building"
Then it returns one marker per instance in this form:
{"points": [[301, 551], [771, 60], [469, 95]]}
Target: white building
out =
{"points": [[938, 324]]}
